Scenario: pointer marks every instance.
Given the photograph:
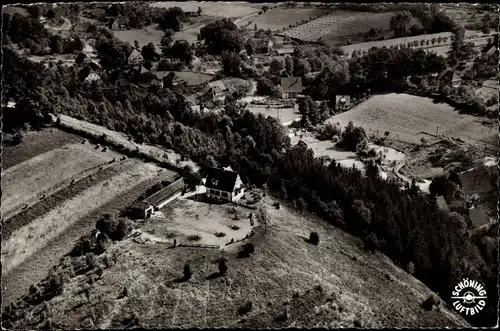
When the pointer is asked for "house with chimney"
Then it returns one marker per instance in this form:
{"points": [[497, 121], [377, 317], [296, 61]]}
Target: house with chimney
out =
{"points": [[224, 184], [263, 46], [292, 86]]}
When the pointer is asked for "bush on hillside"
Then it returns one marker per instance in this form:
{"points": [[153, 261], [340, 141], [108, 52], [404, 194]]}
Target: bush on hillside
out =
{"points": [[314, 238], [431, 302], [371, 242], [246, 250]]}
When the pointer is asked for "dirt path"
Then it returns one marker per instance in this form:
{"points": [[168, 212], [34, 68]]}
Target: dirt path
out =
{"points": [[35, 268]]}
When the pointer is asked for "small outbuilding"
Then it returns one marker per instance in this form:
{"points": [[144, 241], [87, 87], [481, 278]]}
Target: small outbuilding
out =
{"points": [[141, 210]]}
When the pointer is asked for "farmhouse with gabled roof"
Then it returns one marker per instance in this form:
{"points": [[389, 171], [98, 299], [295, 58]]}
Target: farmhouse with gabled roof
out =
{"points": [[224, 184], [292, 86], [135, 58]]}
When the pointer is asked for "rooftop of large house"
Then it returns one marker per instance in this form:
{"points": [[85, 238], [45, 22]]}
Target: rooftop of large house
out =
{"points": [[292, 84], [477, 180], [221, 179], [218, 84]]}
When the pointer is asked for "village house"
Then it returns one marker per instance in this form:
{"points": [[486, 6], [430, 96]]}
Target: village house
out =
{"points": [[292, 86], [216, 91], [451, 78], [114, 25], [92, 77], [224, 184], [263, 46], [135, 58], [285, 51], [342, 101]]}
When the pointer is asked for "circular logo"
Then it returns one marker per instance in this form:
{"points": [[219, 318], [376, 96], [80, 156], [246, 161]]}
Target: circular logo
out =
{"points": [[469, 297]]}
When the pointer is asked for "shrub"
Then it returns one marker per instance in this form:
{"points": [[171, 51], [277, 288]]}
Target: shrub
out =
{"points": [[220, 234], [410, 268], [222, 266], [246, 308], [371, 242], [247, 250], [194, 237], [187, 272], [234, 227], [314, 238], [431, 302]]}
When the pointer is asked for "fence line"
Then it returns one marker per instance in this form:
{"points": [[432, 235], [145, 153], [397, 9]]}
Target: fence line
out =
{"points": [[198, 245]]}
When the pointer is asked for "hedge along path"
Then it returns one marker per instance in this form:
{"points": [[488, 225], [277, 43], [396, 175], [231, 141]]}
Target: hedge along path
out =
{"points": [[27, 240]]}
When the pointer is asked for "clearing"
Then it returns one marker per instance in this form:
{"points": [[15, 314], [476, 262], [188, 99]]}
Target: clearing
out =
{"points": [[42, 175], [336, 282], [409, 118], [281, 18]]}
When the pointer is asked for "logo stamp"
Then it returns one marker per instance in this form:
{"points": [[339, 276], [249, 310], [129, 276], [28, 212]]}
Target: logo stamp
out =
{"points": [[469, 297]]}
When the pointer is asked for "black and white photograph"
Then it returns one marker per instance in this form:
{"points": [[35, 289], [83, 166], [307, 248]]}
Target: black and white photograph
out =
{"points": [[249, 165]]}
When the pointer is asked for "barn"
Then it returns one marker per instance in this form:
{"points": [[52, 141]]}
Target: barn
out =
{"points": [[165, 195]]}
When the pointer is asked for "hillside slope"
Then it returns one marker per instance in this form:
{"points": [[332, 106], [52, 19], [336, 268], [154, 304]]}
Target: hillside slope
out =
{"points": [[280, 280]]}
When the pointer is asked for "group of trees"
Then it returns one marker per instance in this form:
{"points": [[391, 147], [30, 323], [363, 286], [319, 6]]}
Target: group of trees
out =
{"points": [[221, 35]]}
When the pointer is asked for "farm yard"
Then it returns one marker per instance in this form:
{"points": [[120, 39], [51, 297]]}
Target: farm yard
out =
{"points": [[188, 216], [409, 118], [71, 186], [215, 9], [339, 24], [280, 19]]}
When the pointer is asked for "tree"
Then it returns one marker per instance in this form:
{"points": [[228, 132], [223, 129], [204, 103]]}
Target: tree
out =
{"points": [[265, 86], [183, 51], [113, 55], [314, 238], [276, 66], [222, 35], [289, 64], [187, 272], [136, 44], [399, 23], [301, 67], [149, 53], [35, 11], [222, 266], [56, 44], [172, 19], [200, 11], [231, 64], [265, 8], [51, 14]]}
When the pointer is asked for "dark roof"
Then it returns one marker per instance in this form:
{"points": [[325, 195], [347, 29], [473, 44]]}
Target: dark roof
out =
{"points": [[166, 192], [79, 59], [477, 180], [140, 205], [221, 179], [293, 84]]}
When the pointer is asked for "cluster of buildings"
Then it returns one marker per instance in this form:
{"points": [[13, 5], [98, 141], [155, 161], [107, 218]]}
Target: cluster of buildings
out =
{"points": [[222, 185]]}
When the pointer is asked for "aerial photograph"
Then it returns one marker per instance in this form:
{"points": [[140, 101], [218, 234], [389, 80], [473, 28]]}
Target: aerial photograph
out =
{"points": [[252, 165]]}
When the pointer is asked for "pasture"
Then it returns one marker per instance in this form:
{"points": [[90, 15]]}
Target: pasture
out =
{"points": [[25, 182], [441, 48], [67, 187], [215, 9], [143, 36], [280, 19], [339, 24], [409, 118]]}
